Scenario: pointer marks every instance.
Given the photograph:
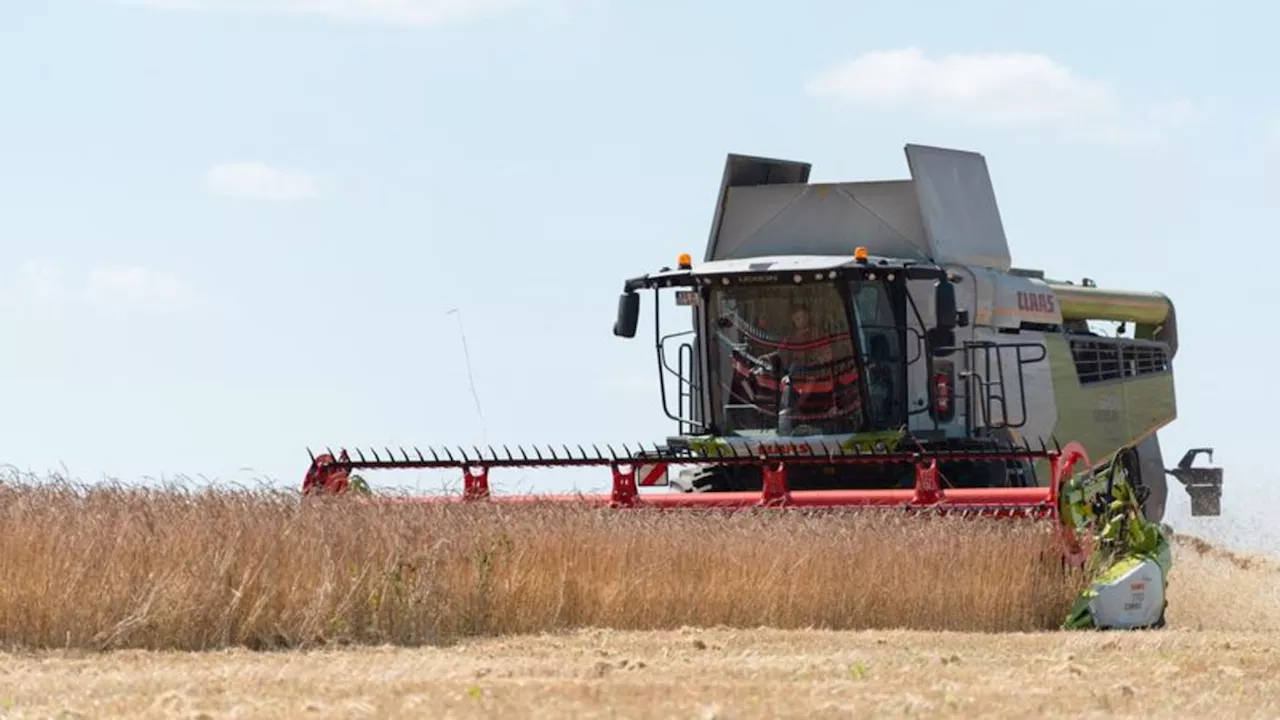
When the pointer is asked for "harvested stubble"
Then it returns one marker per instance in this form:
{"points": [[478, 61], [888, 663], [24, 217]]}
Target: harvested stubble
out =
{"points": [[112, 567]]}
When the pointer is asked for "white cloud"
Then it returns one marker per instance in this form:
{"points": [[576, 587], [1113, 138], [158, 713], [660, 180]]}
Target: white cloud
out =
{"points": [[400, 12], [41, 283], [989, 87], [33, 285], [136, 289], [1000, 89], [258, 181]]}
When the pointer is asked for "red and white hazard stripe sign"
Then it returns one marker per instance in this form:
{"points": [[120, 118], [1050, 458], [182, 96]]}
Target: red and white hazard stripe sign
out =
{"points": [[651, 475]]}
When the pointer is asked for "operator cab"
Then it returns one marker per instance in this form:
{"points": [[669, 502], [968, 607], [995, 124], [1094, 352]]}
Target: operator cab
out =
{"points": [[822, 358], [801, 346]]}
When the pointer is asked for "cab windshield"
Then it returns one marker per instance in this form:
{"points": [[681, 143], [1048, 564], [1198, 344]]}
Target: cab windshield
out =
{"points": [[787, 361]]}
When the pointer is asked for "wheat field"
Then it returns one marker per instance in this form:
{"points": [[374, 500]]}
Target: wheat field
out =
{"points": [[117, 568], [168, 603]]}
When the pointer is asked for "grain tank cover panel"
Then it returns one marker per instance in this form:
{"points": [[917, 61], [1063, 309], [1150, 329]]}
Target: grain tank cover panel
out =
{"points": [[957, 204], [749, 170], [822, 219]]}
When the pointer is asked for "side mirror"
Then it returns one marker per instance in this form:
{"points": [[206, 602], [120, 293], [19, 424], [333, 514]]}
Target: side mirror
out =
{"points": [[945, 304], [941, 341], [628, 315]]}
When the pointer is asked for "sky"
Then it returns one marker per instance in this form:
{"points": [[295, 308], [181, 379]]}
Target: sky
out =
{"points": [[231, 230]]}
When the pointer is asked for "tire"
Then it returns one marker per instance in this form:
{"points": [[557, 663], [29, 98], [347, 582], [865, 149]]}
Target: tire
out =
{"points": [[1152, 476]]}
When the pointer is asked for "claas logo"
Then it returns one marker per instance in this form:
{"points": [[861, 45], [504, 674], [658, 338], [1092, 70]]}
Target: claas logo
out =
{"points": [[1035, 302]]}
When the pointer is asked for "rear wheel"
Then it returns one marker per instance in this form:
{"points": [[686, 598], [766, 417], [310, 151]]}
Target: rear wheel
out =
{"points": [[1144, 467], [1152, 477]]}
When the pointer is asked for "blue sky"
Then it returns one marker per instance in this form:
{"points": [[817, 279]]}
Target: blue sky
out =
{"points": [[230, 229]]}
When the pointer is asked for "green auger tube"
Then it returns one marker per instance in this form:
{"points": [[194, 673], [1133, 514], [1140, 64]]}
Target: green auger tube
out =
{"points": [[1130, 564]]}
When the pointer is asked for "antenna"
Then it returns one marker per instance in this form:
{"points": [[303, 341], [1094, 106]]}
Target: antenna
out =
{"points": [[466, 355]]}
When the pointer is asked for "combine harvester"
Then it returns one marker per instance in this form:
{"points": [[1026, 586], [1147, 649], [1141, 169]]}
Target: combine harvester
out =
{"points": [[869, 344]]}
